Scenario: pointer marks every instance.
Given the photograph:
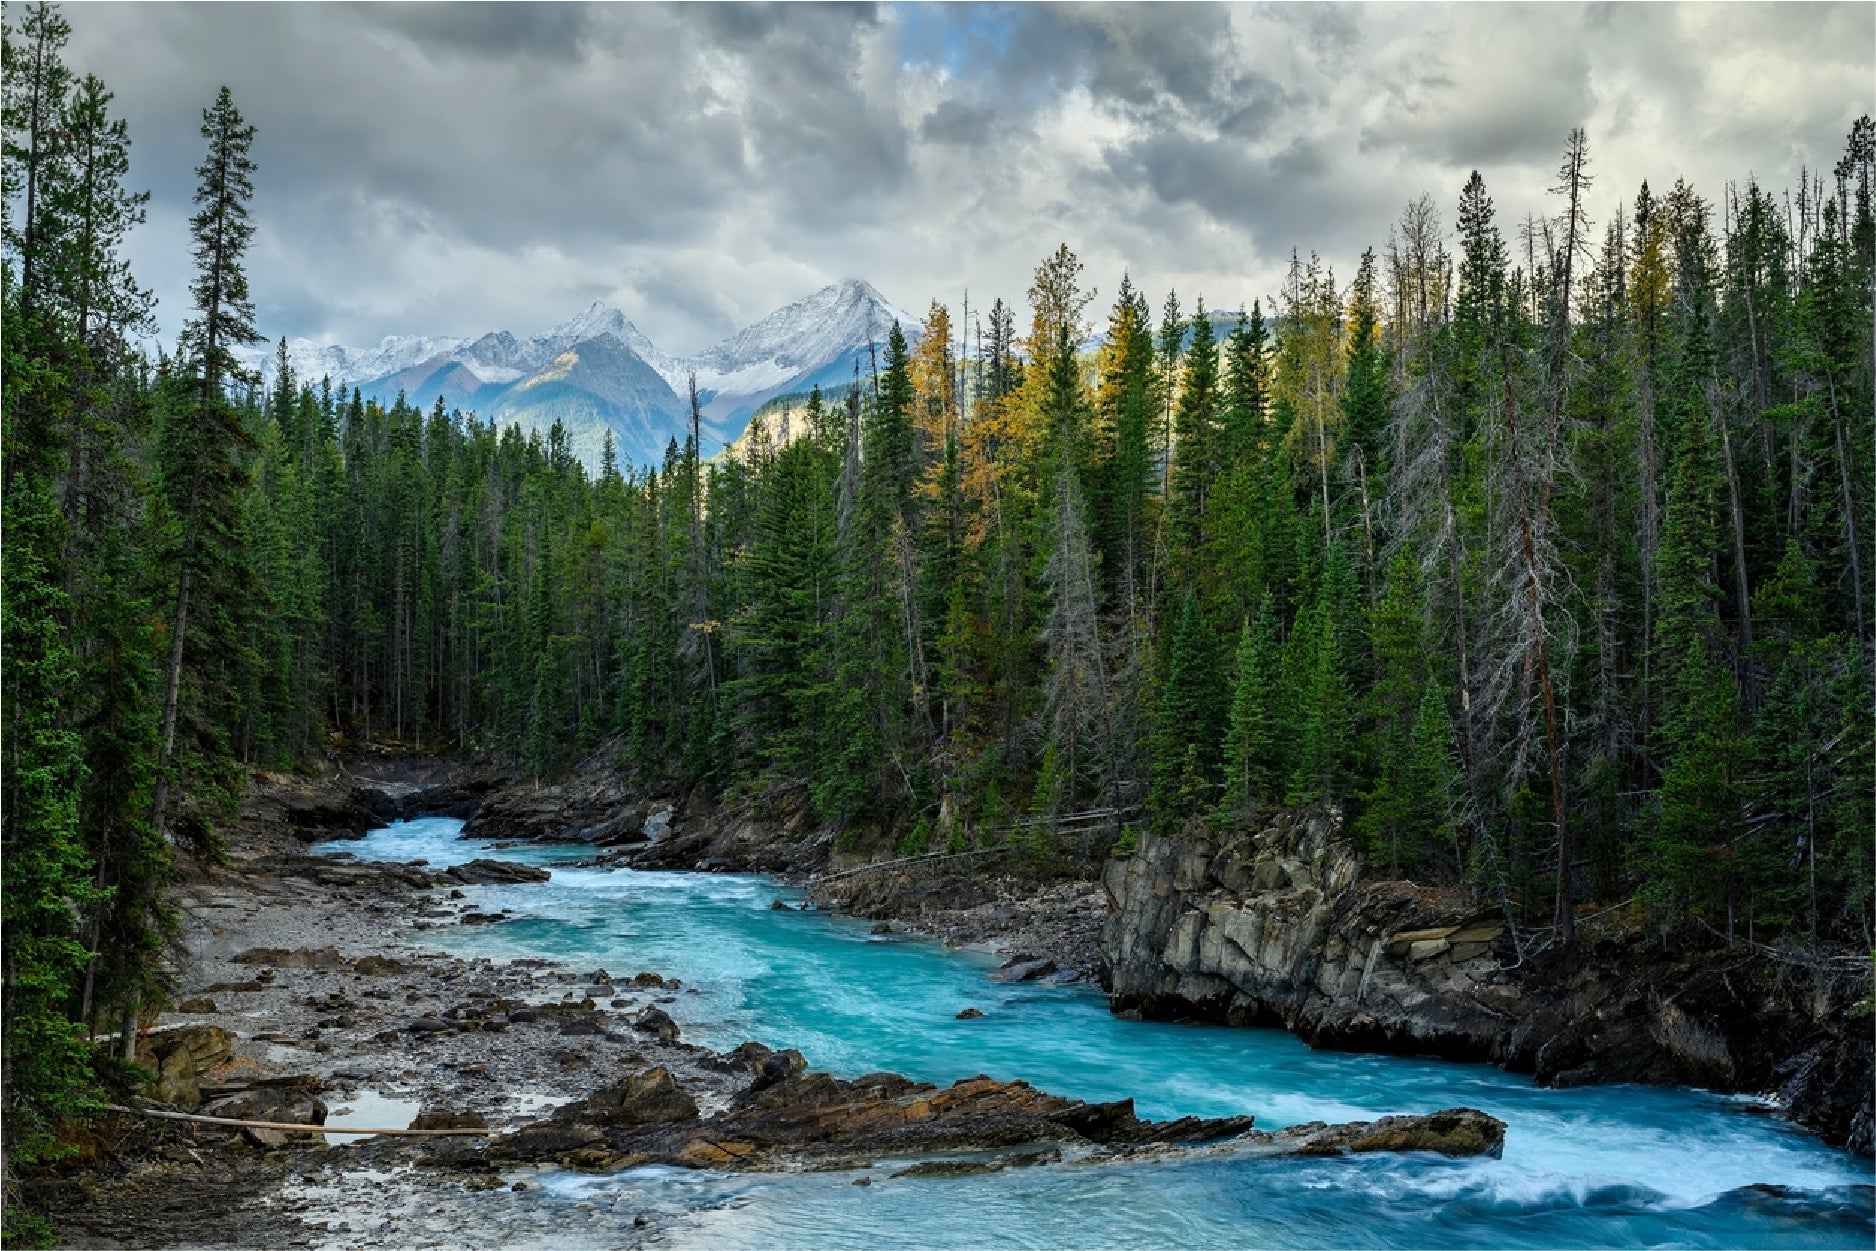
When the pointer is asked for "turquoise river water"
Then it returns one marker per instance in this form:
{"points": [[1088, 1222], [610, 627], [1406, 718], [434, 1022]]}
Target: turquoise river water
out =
{"points": [[1600, 1166]]}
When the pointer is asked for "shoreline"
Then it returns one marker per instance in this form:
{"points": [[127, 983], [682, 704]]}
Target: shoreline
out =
{"points": [[316, 968], [305, 989]]}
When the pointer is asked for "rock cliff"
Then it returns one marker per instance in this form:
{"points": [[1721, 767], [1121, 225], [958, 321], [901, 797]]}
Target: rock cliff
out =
{"points": [[1279, 925]]}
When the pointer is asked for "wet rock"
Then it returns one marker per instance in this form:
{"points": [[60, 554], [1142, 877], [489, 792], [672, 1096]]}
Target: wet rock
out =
{"points": [[744, 1057], [377, 966], [794, 1118], [881, 927], [975, 1167], [648, 979], [657, 1022], [650, 1098], [558, 1140], [1024, 969], [486, 872], [594, 1025], [430, 1025], [778, 1066], [1454, 1132], [779, 905], [970, 1014]]}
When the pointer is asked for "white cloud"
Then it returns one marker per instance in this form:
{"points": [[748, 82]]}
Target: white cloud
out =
{"points": [[438, 169]]}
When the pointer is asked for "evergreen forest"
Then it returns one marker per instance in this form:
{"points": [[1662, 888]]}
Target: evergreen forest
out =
{"points": [[1543, 549]]}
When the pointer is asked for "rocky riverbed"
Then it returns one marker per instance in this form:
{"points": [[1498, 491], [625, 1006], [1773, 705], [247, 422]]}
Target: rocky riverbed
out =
{"points": [[1285, 925], [304, 995]]}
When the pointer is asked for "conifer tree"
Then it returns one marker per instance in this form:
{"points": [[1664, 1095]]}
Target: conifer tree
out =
{"points": [[202, 431]]}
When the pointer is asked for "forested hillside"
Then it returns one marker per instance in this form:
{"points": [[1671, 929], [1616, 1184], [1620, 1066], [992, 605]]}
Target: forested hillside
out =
{"points": [[1544, 549]]}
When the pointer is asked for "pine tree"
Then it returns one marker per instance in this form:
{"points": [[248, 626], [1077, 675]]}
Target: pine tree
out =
{"points": [[202, 433], [1187, 731], [1256, 766]]}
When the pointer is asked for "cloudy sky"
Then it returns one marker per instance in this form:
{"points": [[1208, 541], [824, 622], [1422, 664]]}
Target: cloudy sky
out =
{"points": [[445, 169]]}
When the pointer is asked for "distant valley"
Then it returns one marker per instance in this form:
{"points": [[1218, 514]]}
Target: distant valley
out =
{"points": [[598, 372]]}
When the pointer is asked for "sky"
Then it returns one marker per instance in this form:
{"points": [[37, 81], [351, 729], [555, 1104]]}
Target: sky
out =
{"points": [[451, 169]]}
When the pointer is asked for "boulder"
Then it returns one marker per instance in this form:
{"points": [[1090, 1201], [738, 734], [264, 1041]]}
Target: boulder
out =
{"points": [[179, 1055], [1024, 969], [486, 872], [200, 1003], [970, 1014], [744, 1056], [286, 1102], [657, 1022], [1454, 1131], [649, 1098], [778, 1066]]}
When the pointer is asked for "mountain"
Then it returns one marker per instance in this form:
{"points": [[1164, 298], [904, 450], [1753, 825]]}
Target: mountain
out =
{"points": [[815, 340], [598, 371]]}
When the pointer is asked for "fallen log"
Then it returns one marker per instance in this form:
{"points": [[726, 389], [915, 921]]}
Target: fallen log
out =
{"points": [[292, 1127]]}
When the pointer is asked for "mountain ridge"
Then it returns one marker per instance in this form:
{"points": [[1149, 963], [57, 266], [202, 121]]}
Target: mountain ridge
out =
{"points": [[616, 379]]}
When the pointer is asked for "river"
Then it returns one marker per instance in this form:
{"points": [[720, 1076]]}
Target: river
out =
{"points": [[1597, 1166]]}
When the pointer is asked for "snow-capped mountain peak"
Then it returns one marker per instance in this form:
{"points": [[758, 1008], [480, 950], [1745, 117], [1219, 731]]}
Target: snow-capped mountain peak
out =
{"points": [[619, 379]]}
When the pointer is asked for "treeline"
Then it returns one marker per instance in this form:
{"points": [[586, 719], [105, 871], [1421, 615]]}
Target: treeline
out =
{"points": [[1547, 557], [1531, 554], [125, 616]]}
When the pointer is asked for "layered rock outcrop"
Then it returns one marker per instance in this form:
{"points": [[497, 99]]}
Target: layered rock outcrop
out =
{"points": [[1279, 925], [791, 1118]]}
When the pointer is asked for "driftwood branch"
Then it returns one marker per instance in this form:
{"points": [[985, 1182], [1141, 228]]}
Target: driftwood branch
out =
{"points": [[292, 1127]]}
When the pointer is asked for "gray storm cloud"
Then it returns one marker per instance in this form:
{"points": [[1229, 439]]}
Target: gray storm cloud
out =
{"points": [[450, 169]]}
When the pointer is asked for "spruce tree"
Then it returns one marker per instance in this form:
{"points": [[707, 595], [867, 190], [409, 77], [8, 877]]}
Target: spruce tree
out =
{"points": [[202, 432]]}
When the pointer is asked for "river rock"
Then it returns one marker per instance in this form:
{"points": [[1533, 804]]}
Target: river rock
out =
{"points": [[657, 1022], [778, 1066], [485, 872], [970, 1014], [978, 1166], [742, 1058], [1024, 969], [290, 1103], [1455, 1132], [649, 1098]]}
